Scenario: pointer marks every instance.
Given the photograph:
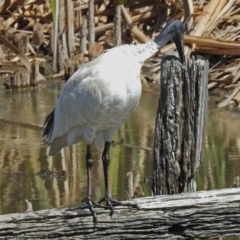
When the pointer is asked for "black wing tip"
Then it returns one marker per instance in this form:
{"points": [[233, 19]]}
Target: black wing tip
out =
{"points": [[48, 123]]}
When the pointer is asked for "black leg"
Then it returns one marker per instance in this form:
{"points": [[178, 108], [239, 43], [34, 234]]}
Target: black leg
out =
{"points": [[106, 162], [107, 198], [87, 202], [89, 164]]}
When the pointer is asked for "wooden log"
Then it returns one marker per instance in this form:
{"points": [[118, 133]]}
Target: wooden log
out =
{"points": [[34, 73], [180, 125], [70, 28], [54, 37], [91, 23], [205, 214], [83, 37], [77, 14], [117, 24], [62, 35], [62, 47]]}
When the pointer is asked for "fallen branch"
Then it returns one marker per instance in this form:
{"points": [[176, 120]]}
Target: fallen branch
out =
{"points": [[211, 43], [205, 214], [218, 51], [140, 36]]}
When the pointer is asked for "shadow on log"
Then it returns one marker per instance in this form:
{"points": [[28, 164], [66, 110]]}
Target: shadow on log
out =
{"points": [[181, 216], [180, 125]]}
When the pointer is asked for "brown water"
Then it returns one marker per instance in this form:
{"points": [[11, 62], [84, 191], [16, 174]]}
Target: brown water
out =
{"points": [[23, 153]]}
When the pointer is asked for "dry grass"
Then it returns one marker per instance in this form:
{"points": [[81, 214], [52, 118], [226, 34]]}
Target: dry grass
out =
{"points": [[212, 30]]}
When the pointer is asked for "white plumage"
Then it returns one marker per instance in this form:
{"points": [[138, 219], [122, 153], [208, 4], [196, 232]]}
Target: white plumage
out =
{"points": [[99, 97]]}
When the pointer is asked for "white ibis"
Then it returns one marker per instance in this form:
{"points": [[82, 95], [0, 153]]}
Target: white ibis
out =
{"points": [[99, 97]]}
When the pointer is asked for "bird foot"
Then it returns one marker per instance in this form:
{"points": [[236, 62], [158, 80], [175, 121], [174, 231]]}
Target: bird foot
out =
{"points": [[87, 203], [110, 203]]}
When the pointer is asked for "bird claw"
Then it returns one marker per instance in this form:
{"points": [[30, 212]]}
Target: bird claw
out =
{"points": [[110, 203], [87, 203]]}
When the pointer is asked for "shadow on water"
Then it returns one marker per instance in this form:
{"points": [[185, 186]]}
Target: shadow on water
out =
{"points": [[62, 181]]}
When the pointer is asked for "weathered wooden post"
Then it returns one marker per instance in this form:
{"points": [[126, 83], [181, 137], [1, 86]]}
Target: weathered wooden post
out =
{"points": [[180, 125], [34, 73]]}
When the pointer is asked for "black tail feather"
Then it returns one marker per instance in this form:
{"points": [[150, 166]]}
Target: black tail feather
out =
{"points": [[49, 123]]}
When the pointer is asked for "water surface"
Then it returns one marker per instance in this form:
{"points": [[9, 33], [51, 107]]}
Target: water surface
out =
{"points": [[23, 154]]}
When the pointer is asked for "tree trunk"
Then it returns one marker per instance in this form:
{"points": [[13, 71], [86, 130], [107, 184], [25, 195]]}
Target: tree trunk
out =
{"points": [[208, 214], [180, 125]]}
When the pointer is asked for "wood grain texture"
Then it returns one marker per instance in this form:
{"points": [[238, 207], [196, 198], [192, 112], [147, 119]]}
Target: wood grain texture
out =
{"points": [[204, 214], [180, 125]]}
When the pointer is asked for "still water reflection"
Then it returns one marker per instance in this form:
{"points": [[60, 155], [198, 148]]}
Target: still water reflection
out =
{"points": [[23, 153]]}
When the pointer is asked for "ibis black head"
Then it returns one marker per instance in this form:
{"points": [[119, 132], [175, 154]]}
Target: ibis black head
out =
{"points": [[174, 30]]}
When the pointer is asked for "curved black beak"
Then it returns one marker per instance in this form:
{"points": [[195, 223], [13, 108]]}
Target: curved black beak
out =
{"points": [[174, 30], [179, 42]]}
